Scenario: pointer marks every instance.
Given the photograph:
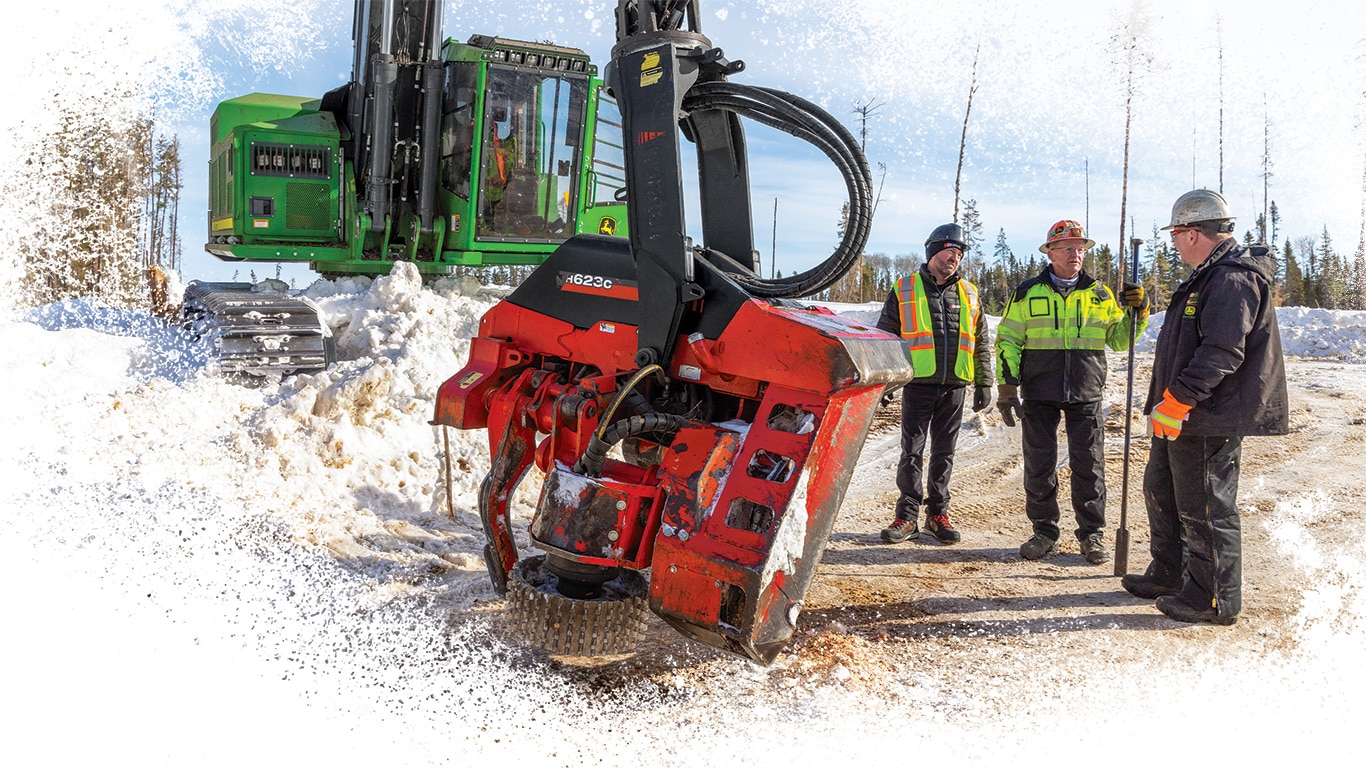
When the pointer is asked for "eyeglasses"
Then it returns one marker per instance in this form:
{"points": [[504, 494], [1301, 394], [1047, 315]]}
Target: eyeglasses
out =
{"points": [[1067, 249], [1180, 231]]}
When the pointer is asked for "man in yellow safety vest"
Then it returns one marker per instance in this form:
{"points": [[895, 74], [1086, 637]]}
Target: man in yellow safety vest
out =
{"points": [[939, 315]]}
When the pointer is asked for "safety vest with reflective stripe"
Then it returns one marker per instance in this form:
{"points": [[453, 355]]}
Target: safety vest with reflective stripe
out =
{"points": [[917, 327]]}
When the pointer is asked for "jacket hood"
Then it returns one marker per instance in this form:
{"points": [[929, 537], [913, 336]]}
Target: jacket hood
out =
{"points": [[1254, 258]]}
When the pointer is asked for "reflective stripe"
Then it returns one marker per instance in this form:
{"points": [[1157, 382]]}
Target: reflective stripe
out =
{"points": [[1058, 342], [1087, 321]]}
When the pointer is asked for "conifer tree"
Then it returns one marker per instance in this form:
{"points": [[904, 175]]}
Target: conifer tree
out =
{"points": [[1308, 248], [1294, 278], [87, 192], [972, 237]]}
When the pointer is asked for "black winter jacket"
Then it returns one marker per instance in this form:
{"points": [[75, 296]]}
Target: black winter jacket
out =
{"points": [[1220, 347]]}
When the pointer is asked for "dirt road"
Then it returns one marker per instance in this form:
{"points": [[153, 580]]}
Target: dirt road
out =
{"points": [[876, 611]]}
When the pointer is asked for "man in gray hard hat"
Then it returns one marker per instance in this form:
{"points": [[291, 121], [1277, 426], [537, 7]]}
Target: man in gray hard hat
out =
{"points": [[1218, 376], [939, 315]]}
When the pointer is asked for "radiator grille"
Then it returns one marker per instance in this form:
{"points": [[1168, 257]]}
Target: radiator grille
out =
{"points": [[292, 161]]}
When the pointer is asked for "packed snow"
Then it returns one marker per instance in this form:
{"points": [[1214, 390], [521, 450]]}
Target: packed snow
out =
{"points": [[205, 572]]}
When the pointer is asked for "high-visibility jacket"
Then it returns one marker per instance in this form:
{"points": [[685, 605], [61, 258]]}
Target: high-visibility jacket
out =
{"points": [[1052, 344], [945, 330]]}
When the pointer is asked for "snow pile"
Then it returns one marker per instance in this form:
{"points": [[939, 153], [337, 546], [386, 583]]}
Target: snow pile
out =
{"points": [[1333, 334]]}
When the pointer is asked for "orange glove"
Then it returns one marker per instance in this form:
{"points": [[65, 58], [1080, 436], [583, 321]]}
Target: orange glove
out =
{"points": [[1168, 416]]}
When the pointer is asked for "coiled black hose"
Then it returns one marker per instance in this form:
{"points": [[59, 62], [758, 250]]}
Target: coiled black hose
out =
{"points": [[592, 460], [807, 121]]}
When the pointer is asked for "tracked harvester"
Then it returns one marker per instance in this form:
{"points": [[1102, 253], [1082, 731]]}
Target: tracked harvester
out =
{"points": [[439, 153], [696, 427]]}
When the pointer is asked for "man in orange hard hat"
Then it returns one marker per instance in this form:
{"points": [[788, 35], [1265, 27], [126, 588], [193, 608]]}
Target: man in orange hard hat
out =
{"points": [[1050, 349]]}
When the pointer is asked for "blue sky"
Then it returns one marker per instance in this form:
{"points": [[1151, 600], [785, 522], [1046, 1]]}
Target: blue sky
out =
{"points": [[1045, 141]]}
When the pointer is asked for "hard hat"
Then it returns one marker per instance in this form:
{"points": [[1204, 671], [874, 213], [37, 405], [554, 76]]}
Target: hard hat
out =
{"points": [[1200, 205], [1066, 230], [944, 236]]}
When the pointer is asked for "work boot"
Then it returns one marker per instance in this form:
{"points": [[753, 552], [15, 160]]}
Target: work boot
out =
{"points": [[940, 527], [1176, 608], [1038, 546], [1093, 548], [900, 530], [1144, 586]]}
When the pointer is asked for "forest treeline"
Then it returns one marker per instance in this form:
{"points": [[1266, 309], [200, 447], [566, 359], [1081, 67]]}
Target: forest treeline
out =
{"points": [[107, 194], [103, 195], [1311, 271]]}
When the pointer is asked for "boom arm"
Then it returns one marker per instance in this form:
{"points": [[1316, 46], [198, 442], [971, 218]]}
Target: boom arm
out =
{"points": [[393, 108], [655, 63], [739, 420], [667, 75]]}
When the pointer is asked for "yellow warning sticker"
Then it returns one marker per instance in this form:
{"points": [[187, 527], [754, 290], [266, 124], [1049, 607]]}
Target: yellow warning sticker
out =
{"points": [[650, 71]]}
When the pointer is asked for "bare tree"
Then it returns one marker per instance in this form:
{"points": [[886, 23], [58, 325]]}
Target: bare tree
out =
{"points": [[1132, 53], [1360, 260], [1219, 36], [963, 140], [1266, 169], [864, 111]]}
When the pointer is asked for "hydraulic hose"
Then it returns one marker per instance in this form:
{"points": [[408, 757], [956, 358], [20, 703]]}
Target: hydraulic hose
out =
{"points": [[807, 121], [592, 460]]}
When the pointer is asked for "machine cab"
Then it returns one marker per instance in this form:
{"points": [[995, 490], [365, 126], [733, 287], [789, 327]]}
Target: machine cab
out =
{"points": [[532, 110]]}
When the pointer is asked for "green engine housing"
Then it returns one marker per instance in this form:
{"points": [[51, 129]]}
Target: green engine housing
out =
{"points": [[529, 156]]}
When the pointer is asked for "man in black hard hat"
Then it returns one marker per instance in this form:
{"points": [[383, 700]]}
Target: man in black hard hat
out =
{"points": [[940, 316], [1218, 376]]}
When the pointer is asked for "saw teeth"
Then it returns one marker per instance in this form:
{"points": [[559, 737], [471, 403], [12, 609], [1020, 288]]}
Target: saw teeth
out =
{"points": [[565, 626]]}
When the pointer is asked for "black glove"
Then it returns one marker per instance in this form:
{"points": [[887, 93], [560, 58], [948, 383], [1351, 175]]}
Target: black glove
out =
{"points": [[1008, 403], [1133, 295], [889, 397], [981, 398]]}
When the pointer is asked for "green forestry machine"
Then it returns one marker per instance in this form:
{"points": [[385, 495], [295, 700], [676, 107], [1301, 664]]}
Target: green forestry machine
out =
{"points": [[442, 154]]}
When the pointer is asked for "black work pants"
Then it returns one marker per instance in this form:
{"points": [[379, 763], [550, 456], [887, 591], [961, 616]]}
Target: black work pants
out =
{"points": [[1086, 457], [1191, 490], [932, 412]]}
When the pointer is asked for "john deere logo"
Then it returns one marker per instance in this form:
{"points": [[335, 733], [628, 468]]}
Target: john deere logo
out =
{"points": [[608, 226]]}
